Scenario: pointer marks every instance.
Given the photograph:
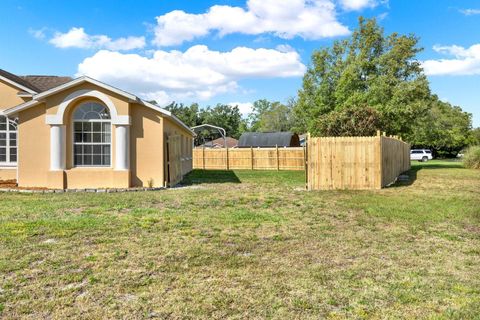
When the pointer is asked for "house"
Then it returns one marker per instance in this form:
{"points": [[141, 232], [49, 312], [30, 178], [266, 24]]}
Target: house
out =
{"points": [[220, 143], [268, 139], [58, 132], [303, 139]]}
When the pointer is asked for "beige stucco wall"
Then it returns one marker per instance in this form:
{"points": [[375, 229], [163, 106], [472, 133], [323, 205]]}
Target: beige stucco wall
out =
{"points": [[33, 148], [84, 178], [8, 173], [146, 147], [147, 131], [53, 102], [8, 96]]}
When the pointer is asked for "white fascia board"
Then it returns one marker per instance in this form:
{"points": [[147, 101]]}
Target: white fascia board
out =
{"points": [[17, 85], [81, 80], [25, 94], [37, 98], [21, 107]]}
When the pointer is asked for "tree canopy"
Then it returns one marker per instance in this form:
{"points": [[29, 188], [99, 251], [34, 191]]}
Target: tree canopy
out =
{"points": [[221, 115], [367, 82], [371, 70], [444, 128], [372, 80], [269, 116]]}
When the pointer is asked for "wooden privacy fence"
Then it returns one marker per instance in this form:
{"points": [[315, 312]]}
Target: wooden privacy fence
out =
{"points": [[249, 158], [174, 163], [355, 162], [179, 159]]}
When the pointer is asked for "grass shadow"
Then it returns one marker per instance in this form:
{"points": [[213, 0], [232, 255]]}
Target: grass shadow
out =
{"points": [[210, 176], [431, 165]]}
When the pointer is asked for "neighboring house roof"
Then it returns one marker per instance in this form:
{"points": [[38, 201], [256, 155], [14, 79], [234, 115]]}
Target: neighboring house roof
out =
{"points": [[44, 83], [38, 96], [269, 139], [18, 82], [220, 143]]}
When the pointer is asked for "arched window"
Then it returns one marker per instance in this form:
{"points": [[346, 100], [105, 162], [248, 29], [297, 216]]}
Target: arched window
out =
{"points": [[92, 135], [8, 141]]}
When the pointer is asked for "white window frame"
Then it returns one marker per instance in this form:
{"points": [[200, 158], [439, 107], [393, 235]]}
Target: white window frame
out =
{"points": [[110, 143], [7, 131]]}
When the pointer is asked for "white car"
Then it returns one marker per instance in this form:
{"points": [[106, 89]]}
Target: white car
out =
{"points": [[421, 155]]}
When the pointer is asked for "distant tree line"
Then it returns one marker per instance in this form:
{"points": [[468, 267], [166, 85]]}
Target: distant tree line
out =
{"points": [[367, 82]]}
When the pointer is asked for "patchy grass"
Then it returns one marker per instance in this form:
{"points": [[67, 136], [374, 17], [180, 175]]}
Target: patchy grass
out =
{"points": [[247, 244]]}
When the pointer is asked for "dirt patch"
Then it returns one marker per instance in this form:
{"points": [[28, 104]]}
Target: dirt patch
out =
{"points": [[4, 184]]}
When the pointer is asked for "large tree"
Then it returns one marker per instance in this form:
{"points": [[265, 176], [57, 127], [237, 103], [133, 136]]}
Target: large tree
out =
{"points": [[221, 115], [267, 116], [444, 128], [367, 70], [474, 137], [224, 116], [190, 115]]}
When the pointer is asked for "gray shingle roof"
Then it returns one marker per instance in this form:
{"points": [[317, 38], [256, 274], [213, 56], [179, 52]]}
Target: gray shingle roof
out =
{"points": [[268, 139], [44, 83], [36, 83]]}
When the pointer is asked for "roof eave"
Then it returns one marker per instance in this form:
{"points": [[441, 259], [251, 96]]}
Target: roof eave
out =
{"points": [[16, 84]]}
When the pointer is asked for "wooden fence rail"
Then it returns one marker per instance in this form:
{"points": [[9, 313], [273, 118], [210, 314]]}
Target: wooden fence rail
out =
{"points": [[355, 162], [249, 158]]}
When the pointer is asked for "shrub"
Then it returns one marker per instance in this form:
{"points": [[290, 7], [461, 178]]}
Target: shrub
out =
{"points": [[472, 158], [354, 121]]}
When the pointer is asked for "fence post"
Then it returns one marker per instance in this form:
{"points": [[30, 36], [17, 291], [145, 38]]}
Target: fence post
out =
{"points": [[278, 159], [228, 166], [251, 156], [305, 160], [379, 158], [203, 157]]}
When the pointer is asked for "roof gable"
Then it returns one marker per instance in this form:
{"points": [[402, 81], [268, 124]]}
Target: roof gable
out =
{"points": [[39, 98]]}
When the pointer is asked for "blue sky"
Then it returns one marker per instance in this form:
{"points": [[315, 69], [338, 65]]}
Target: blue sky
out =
{"points": [[229, 51]]}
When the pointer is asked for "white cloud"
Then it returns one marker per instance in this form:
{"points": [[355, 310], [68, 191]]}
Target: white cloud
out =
{"points": [[465, 61], [38, 33], [382, 16], [285, 48], [196, 74], [357, 4], [245, 107], [309, 19], [78, 38], [470, 12]]}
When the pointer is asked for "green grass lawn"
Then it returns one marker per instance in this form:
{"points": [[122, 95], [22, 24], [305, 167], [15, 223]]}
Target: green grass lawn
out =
{"points": [[247, 244]]}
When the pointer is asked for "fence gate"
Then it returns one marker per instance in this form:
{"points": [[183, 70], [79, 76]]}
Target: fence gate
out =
{"points": [[174, 165]]}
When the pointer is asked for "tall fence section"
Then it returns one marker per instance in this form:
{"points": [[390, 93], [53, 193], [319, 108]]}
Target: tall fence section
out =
{"points": [[249, 159], [355, 162], [329, 162]]}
